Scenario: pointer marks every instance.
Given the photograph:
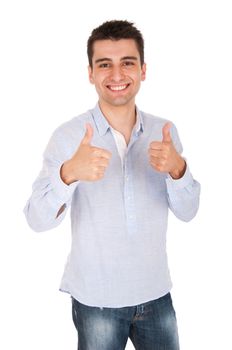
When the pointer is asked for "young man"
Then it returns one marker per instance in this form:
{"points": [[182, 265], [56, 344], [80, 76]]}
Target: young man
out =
{"points": [[120, 169]]}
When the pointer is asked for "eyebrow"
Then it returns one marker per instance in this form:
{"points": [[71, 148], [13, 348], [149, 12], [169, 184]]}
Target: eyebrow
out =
{"points": [[121, 59]]}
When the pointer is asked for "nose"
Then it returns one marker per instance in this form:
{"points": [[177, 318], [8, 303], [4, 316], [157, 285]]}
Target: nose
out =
{"points": [[117, 73]]}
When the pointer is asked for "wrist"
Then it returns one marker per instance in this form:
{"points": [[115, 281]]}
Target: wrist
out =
{"points": [[66, 173], [179, 171]]}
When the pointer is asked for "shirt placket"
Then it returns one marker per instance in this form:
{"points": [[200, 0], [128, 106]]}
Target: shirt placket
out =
{"points": [[129, 199]]}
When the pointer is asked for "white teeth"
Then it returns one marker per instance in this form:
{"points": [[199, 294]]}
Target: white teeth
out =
{"points": [[118, 87]]}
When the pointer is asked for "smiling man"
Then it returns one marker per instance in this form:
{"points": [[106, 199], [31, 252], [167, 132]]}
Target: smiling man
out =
{"points": [[120, 170]]}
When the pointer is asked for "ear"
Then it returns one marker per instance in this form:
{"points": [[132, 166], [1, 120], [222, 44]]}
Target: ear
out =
{"points": [[143, 72], [90, 71]]}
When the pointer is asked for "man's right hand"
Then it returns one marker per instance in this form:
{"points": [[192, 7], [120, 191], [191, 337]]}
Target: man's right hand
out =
{"points": [[88, 163]]}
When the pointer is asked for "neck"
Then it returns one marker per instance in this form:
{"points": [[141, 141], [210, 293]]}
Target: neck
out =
{"points": [[121, 118]]}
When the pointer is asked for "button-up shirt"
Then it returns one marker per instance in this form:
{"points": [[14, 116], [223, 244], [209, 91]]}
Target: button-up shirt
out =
{"points": [[119, 223]]}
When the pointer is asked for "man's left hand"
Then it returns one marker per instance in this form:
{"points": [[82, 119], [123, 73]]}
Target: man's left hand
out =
{"points": [[164, 157]]}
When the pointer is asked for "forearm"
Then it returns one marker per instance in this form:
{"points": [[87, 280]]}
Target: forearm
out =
{"points": [[40, 215], [179, 171], [66, 173], [49, 201]]}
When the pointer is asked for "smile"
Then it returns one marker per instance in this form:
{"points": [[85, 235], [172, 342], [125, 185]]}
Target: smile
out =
{"points": [[117, 87]]}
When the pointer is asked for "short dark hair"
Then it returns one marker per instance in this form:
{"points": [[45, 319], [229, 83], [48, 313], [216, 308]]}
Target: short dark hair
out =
{"points": [[115, 30]]}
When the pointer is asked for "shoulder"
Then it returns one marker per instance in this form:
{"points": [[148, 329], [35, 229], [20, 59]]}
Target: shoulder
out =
{"points": [[154, 124], [153, 119], [73, 127], [67, 136]]}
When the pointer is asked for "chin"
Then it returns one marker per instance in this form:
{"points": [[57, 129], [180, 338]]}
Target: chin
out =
{"points": [[119, 101]]}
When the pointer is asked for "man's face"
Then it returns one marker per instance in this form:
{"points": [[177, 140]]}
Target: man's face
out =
{"points": [[116, 71]]}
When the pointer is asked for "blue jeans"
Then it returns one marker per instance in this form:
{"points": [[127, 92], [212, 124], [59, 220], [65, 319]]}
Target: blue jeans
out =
{"points": [[150, 326]]}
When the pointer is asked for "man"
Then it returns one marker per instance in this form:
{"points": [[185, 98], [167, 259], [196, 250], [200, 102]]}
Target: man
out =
{"points": [[120, 169]]}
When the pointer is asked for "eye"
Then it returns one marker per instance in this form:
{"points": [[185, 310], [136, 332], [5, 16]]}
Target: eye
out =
{"points": [[128, 63], [104, 65]]}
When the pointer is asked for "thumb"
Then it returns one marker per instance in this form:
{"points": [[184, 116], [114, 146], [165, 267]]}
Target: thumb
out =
{"points": [[166, 132], [88, 135]]}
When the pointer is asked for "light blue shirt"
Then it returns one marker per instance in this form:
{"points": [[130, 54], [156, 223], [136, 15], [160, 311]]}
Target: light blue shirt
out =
{"points": [[118, 253]]}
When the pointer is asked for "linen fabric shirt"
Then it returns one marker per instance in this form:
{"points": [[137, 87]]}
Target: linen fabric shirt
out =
{"points": [[118, 253]]}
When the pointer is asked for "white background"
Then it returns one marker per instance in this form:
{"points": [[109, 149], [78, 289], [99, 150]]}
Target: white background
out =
{"points": [[44, 83]]}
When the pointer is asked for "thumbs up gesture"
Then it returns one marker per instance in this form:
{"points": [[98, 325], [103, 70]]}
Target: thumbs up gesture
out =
{"points": [[163, 156], [88, 163]]}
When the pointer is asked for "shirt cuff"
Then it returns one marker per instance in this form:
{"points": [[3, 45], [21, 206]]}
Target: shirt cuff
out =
{"points": [[184, 181], [63, 191]]}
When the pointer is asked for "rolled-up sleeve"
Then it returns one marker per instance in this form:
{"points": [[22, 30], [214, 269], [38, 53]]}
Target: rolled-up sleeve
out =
{"points": [[183, 193], [183, 196], [49, 192]]}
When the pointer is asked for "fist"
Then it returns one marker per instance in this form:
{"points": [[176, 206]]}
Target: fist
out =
{"points": [[88, 163], [163, 156]]}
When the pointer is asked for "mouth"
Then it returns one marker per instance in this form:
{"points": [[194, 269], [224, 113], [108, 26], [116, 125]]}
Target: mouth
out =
{"points": [[117, 88]]}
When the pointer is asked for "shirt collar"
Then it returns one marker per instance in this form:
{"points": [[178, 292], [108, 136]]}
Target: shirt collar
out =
{"points": [[100, 121], [139, 121], [103, 125]]}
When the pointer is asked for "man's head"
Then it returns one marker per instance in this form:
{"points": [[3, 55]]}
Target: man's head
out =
{"points": [[115, 30], [116, 62]]}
